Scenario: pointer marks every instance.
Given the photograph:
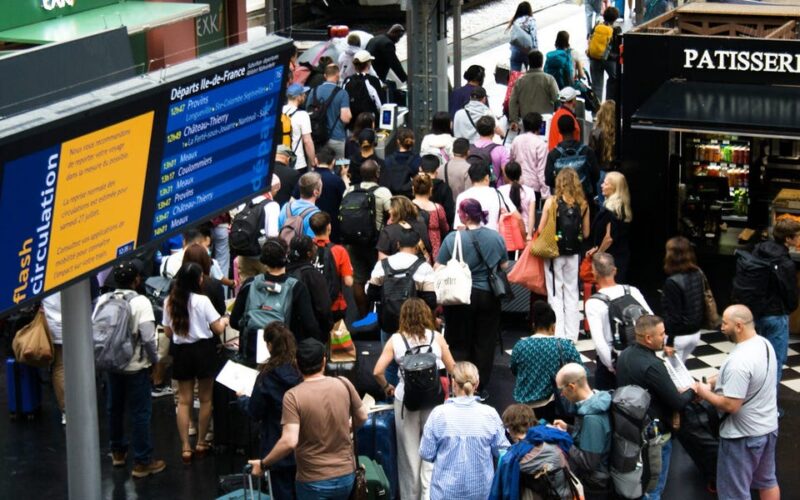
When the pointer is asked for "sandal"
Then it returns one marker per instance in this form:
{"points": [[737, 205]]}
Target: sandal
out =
{"points": [[186, 456], [201, 450]]}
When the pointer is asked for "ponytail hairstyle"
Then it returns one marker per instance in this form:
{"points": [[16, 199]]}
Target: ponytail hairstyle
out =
{"points": [[405, 138], [465, 375], [513, 172], [282, 350], [187, 282]]}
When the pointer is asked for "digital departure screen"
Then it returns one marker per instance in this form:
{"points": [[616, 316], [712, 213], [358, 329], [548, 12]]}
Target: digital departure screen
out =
{"points": [[78, 195]]}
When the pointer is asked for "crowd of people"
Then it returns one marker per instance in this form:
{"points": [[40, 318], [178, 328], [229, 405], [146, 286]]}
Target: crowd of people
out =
{"points": [[340, 220]]}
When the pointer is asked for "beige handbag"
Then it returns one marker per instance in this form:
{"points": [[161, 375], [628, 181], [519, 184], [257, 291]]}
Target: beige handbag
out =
{"points": [[33, 344]]}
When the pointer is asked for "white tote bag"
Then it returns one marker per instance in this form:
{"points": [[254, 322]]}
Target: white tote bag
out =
{"points": [[453, 282]]}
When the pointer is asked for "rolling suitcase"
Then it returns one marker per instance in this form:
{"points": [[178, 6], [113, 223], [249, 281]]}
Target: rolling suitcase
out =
{"points": [[377, 440], [24, 389], [241, 487], [378, 486]]}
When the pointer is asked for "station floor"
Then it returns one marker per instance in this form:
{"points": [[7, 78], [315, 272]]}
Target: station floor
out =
{"points": [[34, 452]]}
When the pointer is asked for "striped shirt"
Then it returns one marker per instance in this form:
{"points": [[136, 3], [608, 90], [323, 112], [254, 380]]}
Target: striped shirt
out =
{"points": [[461, 437]]}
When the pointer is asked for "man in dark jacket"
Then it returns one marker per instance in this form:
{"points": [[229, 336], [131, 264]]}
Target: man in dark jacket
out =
{"points": [[639, 365], [302, 251], [590, 169], [780, 299], [288, 176], [382, 48]]}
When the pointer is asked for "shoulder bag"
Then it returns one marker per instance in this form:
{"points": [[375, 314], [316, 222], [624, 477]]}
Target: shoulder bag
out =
{"points": [[453, 281], [529, 272], [510, 226], [33, 344], [545, 244], [498, 281], [711, 320]]}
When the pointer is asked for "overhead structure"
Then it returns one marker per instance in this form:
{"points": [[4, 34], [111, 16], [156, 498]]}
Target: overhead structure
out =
{"points": [[426, 32]]}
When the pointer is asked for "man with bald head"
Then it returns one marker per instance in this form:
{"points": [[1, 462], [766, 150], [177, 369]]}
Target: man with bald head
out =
{"points": [[591, 434], [745, 391]]}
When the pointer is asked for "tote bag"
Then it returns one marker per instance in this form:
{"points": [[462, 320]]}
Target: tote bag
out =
{"points": [[529, 272], [453, 282], [342, 347], [545, 244], [33, 344]]}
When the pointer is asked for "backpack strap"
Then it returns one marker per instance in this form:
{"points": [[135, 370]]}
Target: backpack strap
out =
{"points": [[626, 289], [470, 119], [601, 297]]}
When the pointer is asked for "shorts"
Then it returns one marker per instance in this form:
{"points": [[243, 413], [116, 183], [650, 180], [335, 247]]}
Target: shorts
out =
{"points": [[363, 260], [746, 463], [194, 361]]}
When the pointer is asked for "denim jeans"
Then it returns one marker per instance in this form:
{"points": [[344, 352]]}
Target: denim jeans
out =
{"points": [[131, 390], [776, 330], [337, 488], [590, 13], [391, 372], [666, 453], [519, 58]]}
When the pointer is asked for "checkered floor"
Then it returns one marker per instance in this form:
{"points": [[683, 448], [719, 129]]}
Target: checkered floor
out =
{"points": [[709, 356]]}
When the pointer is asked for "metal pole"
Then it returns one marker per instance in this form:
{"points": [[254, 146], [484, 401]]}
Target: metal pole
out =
{"points": [[83, 437], [456, 44]]}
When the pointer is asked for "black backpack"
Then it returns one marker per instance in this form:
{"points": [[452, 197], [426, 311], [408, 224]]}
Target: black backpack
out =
{"points": [[396, 177], [318, 113], [360, 100], [326, 265], [357, 216], [569, 228], [622, 315], [398, 286], [752, 281], [423, 389], [247, 228], [577, 160]]}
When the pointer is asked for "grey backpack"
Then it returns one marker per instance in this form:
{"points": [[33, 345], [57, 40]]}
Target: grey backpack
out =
{"points": [[111, 331], [630, 447]]}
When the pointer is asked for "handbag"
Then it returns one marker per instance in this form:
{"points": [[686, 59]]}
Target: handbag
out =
{"points": [[520, 38], [342, 347], [711, 320], [529, 272], [498, 280], [33, 343], [510, 226], [545, 245], [453, 282], [564, 408]]}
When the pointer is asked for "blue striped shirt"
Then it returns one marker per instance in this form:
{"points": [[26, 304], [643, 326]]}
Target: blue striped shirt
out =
{"points": [[461, 437]]}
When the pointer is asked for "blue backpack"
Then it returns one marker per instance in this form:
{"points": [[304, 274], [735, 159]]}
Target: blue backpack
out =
{"points": [[559, 66]]}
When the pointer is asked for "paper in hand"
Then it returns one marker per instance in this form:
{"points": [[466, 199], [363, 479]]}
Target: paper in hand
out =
{"points": [[238, 378], [262, 352]]}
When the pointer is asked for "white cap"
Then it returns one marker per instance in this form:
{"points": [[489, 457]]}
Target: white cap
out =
{"points": [[567, 94], [363, 56]]}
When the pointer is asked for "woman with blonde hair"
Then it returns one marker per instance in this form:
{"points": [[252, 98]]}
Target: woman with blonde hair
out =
{"points": [[603, 141], [403, 215], [611, 225], [462, 438], [416, 333], [571, 212]]}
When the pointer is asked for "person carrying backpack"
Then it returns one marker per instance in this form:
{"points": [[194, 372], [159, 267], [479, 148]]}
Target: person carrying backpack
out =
{"points": [[126, 352], [329, 111], [603, 52], [421, 352], [401, 165], [333, 262], [559, 63], [254, 221], [362, 88], [484, 149], [571, 153], [568, 99], [295, 214], [302, 253], [571, 213], [301, 142], [467, 117]]}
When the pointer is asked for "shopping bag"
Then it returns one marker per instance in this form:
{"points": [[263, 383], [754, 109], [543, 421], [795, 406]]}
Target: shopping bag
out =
{"points": [[512, 230], [453, 281], [342, 346], [33, 344], [529, 272]]}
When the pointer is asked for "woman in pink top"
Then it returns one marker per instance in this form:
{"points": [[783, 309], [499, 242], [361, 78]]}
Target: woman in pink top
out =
{"points": [[530, 151]]}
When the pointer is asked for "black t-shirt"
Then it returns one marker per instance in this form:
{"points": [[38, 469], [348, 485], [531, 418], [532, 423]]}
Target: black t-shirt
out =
{"points": [[390, 235]]}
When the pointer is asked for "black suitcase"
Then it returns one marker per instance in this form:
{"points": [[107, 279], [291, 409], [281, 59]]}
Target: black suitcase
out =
{"points": [[698, 436]]}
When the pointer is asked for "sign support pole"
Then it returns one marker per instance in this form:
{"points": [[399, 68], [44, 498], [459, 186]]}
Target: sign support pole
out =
{"points": [[83, 437]]}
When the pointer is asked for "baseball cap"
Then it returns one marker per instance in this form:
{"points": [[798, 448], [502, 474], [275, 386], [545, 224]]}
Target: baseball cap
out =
{"points": [[296, 90], [567, 94], [363, 56], [478, 93], [285, 150], [309, 354], [126, 272]]}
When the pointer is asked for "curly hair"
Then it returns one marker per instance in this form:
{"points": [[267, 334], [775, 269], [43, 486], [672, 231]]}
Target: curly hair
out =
{"points": [[606, 121], [568, 187], [415, 318]]}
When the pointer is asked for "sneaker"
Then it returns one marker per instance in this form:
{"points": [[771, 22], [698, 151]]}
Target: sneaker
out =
{"points": [[144, 470], [118, 458], [162, 390]]}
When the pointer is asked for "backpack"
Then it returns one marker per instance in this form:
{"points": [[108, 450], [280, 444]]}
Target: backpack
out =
{"points": [[326, 265], [286, 129], [622, 315], [396, 176], [752, 281], [247, 228], [569, 228], [360, 99], [111, 331], [423, 389], [559, 66], [266, 302], [398, 285], [577, 160], [600, 42], [293, 224], [357, 216], [318, 114], [629, 423], [544, 471], [482, 155]]}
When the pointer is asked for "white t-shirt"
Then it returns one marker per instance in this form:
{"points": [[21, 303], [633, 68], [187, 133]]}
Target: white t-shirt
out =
{"points": [[402, 260], [597, 314], [490, 200], [201, 315], [747, 374], [400, 350], [52, 314], [301, 125], [272, 211], [527, 195], [141, 312]]}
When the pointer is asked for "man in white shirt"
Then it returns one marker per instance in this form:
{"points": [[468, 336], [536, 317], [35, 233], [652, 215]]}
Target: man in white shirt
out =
{"points": [[302, 144], [599, 324], [492, 201]]}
